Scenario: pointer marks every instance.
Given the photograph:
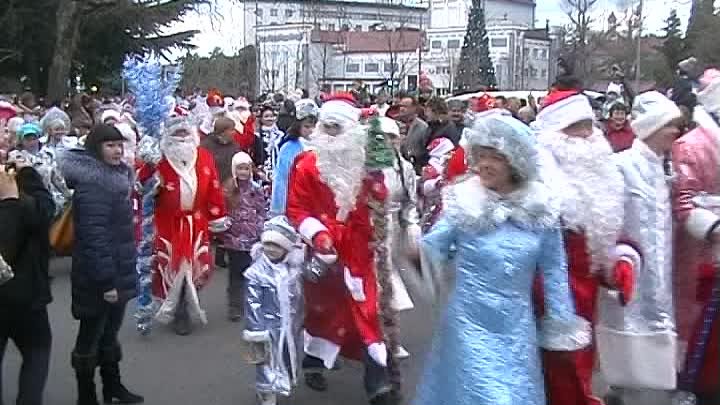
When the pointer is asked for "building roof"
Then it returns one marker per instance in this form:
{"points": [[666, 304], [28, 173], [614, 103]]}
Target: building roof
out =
{"points": [[406, 40], [373, 3], [537, 33]]}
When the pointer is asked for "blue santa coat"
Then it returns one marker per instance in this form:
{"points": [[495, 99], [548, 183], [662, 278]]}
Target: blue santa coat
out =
{"points": [[286, 158]]}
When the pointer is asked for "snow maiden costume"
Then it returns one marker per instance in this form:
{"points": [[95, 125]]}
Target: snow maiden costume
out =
{"points": [[274, 314], [486, 348], [636, 336]]}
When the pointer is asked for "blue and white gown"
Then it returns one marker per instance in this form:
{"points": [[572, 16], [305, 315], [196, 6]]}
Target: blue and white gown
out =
{"points": [[487, 344]]}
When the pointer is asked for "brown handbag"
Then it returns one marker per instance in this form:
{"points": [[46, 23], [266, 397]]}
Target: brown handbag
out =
{"points": [[62, 233]]}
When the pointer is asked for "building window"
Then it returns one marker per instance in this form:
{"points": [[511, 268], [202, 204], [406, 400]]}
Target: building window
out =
{"points": [[436, 44], [543, 75], [536, 53], [259, 12], [338, 88], [372, 67], [498, 42], [389, 67], [454, 44], [288, 13], [331, 27], [273, 12], [544, 53], [345, 27], [352, 68], [358, 27]]}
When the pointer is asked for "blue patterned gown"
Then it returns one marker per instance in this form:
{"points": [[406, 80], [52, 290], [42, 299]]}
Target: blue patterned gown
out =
{"points": [[486, 349]]}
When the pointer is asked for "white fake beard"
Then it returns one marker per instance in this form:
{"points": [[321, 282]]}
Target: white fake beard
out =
{"points": [[592, 196], [181, 151], [341, 163]]}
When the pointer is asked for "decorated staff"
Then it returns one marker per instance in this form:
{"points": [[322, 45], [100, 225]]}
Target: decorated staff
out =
{"points": [[152, 105]]}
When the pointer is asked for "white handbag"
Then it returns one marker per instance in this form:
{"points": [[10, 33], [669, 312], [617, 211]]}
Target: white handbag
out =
{"points": [[632, 360]]}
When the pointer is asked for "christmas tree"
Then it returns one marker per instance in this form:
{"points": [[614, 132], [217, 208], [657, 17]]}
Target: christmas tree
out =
{"points": [[475, 69]]}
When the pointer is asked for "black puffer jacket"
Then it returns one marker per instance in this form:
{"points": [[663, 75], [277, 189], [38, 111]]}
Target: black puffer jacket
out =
{"points": [[24, 244], [104, 251]]}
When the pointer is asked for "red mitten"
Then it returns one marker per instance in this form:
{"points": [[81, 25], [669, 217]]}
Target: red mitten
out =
{"points": [[624, 280], [323, 243], [375, 183]]}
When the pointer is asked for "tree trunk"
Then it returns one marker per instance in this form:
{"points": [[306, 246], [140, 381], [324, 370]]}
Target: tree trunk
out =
{"points": [[66, 39]]}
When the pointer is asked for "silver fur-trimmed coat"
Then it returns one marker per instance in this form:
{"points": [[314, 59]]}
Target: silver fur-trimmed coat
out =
{"points": [[274, 319]]}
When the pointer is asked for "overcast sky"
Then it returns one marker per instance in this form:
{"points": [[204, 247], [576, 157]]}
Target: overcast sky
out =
{"points": [[227, 32]]}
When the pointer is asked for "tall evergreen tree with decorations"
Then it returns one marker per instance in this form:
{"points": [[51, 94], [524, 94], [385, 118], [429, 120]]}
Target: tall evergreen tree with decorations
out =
{"points": [[475, 69]]}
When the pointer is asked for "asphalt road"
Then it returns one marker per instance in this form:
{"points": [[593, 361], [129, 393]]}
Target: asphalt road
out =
{"points": [[205, 368]]}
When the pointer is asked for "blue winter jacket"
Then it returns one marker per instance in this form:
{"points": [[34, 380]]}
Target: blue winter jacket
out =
{"points": [[104, 251]]}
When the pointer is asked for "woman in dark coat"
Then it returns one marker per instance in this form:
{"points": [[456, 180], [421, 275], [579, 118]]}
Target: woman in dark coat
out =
{"points": [[26, 209], [103, 267]]}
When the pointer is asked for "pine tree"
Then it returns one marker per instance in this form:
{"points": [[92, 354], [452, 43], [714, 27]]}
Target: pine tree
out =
{"points": [[673, 45], [475, 68]]}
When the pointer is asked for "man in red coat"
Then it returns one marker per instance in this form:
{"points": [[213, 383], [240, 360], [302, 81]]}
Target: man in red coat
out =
{"points": [[189, 206], [328, 196], [576, 162]]}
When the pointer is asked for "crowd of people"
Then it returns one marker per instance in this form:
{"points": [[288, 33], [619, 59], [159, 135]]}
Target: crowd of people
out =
{"points": [[582, 234]]}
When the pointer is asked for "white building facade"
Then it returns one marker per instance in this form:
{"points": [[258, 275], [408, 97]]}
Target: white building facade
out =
{"points": [[521, 56], [282, 31]]}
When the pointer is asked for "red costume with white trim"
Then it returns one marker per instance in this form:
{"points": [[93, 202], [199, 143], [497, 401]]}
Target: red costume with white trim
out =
{"points": [[588, 190], [342, 307], [189, 203]]}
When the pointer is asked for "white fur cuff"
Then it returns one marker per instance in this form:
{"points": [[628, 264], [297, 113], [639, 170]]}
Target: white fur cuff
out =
{"points": [[378, 352], [256, 336], [355, 286], [219, 225], [310, 227], [326, 259], [699, 222], [627, 252]]}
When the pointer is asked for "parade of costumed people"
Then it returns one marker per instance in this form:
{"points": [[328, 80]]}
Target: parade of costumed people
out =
{"points": [[279, 239]]}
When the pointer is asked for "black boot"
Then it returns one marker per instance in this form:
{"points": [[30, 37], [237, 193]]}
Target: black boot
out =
{"points": [[84, 366], [313, 369], [113, 389]]}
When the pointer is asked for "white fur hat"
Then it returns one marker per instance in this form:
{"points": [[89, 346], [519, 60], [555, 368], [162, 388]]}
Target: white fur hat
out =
{"points": [[563, 113], [389, 126], [709, 94], [110, 114], [652, 111], [339, 112], [240, 158], [279, 231]]}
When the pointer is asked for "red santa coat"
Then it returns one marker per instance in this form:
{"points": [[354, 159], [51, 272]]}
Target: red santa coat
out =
{"points": [[342, 307], [182, 241]]}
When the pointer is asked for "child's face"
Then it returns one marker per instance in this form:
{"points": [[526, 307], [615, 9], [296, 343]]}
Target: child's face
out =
{"points": [[243, 171], [275, 253]]}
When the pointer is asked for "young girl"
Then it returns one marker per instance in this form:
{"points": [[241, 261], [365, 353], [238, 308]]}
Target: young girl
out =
{"points": [[274, 317], [246, 207]]}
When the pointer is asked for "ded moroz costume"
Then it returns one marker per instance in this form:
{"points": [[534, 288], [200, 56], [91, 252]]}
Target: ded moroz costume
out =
{"points": [[639, 324], [328, 202], [576, 163], [696, 211]]}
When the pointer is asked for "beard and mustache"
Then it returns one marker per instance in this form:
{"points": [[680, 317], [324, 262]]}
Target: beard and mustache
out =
{"points": [[181, 151], [591, 191], [341, 163]]}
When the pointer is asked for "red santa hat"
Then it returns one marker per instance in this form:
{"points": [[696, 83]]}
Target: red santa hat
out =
{"points": [[563, 109], [215, 101], [439, 150], [7, 110], [709, 90], [340, 109], [482, 103]]}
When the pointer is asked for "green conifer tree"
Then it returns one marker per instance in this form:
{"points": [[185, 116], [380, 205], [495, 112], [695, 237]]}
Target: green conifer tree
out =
{"points": [[475, 68]]}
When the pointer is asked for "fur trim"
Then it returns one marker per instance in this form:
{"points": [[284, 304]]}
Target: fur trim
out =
{"points": [[80, 167], [472, 206]]}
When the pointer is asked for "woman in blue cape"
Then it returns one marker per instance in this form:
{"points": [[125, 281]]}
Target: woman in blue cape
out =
{"points": [[306, 112], [486, 348]]}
